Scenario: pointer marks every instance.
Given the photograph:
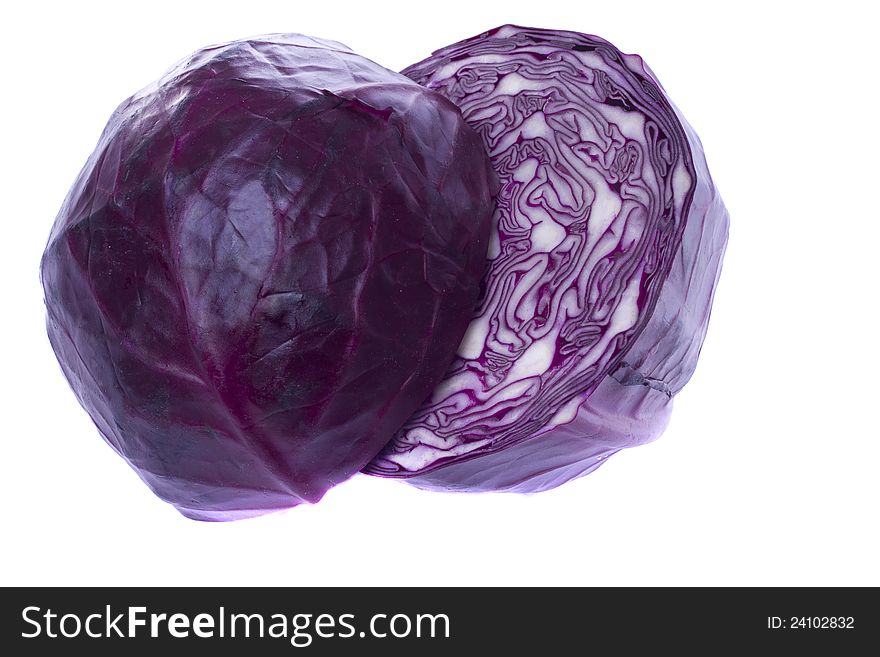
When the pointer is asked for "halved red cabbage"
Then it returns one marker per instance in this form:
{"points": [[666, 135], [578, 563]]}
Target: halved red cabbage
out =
{"points": [[606, 247], [264, 267]]}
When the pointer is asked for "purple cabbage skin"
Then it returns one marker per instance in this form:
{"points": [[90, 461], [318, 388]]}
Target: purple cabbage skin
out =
{"points": [[606, 248], [264, 268]]}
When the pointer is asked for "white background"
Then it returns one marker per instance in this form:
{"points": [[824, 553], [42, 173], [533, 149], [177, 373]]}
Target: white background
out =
{"points": [[768, 474]]}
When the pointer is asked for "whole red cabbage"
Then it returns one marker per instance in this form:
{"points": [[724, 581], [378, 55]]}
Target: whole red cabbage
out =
{"points": [[264, 268], [606, 247]]}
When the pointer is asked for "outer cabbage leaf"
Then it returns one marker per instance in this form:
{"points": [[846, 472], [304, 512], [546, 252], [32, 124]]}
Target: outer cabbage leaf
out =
{"points": [[264, 267], [606, 247]]}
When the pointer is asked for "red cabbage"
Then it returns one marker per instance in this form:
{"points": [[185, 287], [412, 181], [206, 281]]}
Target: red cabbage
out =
{"points": [[264, 267], [606, 247]]}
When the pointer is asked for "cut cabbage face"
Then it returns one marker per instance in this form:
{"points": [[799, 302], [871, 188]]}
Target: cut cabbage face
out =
{"points": [[606, 246]]}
